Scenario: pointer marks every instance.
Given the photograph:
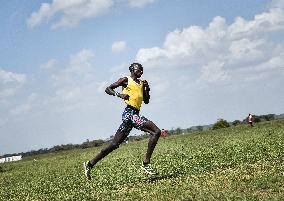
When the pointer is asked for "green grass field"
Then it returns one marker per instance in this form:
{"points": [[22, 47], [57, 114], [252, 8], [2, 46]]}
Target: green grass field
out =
{"points": [[236, 163]]}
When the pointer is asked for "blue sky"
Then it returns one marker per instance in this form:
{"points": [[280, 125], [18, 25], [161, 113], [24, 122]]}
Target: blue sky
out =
{"points": [[203, 59]]}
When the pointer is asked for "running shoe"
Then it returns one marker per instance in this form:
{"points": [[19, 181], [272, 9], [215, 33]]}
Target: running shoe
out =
{"points": [[87, 170], [148, 169]]}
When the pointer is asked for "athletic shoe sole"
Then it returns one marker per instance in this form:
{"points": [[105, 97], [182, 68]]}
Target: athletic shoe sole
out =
{"points": [[147, 171], [87, 172]]}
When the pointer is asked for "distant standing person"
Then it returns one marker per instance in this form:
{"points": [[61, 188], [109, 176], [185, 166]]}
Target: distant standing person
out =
{"points": [[134, 91], [250, 120], [164, 133]]}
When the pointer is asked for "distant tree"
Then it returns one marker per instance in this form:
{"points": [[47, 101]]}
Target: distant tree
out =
{"points": [[236, 122], [93, 143], [269, 117], [221, 123], [178, 131], [199, 128], [256, 119]]}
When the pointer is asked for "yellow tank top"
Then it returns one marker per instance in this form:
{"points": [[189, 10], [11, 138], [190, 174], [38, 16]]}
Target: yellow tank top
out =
{"points": [[135, 92]]}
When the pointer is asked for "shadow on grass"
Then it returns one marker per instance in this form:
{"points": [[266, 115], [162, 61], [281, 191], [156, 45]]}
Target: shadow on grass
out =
{"points": [[158, 177]]}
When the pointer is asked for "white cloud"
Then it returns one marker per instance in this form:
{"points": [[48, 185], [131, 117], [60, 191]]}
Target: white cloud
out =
{"points": [[212, 73], [219, 50], [80, 69], [245, 49], [10, 77], [81, 62], [49, 65], [43, 15], [270, 67], [139, 3], [190, 43], [10, 82], [147, 54], [118, 46], [75, 85], [71, 12], [275, 63], [262, 23]]}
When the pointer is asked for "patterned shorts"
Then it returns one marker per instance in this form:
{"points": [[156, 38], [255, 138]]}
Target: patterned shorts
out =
{"points": [[130, 119]]}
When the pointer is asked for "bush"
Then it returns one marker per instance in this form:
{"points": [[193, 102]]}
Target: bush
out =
{"points": [[256, 119], [269, 117], [236, 122], [221, 123]]}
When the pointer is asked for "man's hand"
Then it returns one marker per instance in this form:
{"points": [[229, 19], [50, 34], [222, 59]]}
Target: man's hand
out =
{"points": [[123, 96], [146, 85]]}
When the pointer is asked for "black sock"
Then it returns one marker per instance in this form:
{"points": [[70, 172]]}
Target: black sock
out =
{"points": [[145, 163]]}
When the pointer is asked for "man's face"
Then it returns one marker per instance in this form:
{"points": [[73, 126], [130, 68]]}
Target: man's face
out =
{"points": [[138, 71]]}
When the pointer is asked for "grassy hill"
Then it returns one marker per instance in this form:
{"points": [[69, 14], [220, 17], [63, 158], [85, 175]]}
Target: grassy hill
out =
{"points": [[236, 163]]}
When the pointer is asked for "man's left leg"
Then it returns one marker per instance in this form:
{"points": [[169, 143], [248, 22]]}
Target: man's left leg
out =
{"points": [[119, 137]]}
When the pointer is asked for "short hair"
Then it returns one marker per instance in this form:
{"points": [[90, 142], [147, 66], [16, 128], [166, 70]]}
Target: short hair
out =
{"points": [[131, 67]]}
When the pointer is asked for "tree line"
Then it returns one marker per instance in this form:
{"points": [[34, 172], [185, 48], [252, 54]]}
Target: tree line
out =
{"points": [[62, 147], [221, 123]]}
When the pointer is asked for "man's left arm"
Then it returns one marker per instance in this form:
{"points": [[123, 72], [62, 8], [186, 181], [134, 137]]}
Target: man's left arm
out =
{"points": [[146, 92]]}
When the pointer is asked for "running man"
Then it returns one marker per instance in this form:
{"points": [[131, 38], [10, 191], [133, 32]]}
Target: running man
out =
{"points": [[164, 133], [134, 91], [250, 119]]}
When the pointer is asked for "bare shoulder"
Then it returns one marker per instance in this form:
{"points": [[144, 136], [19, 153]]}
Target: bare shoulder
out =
{"points": [[122, 81]]}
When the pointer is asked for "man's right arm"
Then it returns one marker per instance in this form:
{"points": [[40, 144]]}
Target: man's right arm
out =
{"points": [[121, 82]]}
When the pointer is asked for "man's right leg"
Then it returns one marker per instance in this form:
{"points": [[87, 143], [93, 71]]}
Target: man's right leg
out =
{"points": [[119, 137], [155, 133]]}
